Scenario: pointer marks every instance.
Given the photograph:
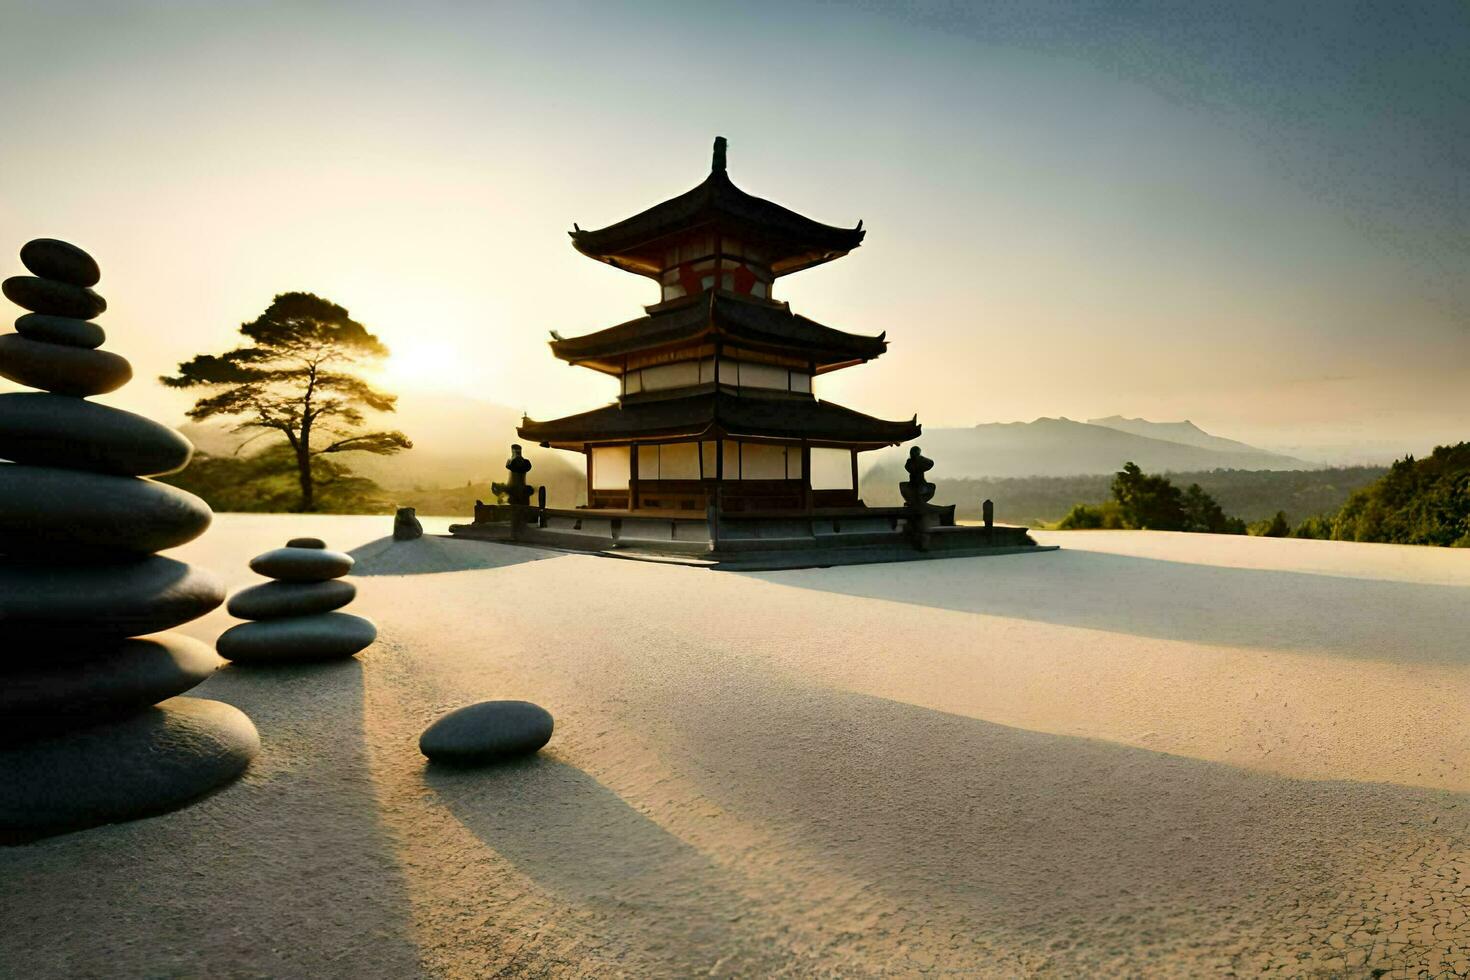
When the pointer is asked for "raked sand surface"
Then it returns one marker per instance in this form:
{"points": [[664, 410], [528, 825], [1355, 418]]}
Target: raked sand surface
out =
{"points": [[1144, 753]]}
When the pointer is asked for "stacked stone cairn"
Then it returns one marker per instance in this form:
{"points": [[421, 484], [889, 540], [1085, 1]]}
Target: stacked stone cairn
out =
{"points": [[294, 615], [91, 728]]}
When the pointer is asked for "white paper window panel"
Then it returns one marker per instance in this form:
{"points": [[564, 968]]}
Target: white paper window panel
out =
{"points": [[610, 467], [755, 461], [678, 461], [632, 382], [762, 462], [648, 462], [747, 374], [675, 291], [831, 469], [759, 289], [763, 376], [677, 375], [801, 381], [707, 370], [675, 461], [708, 451]]}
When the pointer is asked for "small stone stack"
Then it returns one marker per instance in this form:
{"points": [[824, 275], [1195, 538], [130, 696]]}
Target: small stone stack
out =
{"points": [[294, 615], [91, 730]]}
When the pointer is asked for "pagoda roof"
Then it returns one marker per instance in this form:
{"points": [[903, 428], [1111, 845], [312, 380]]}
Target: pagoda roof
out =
{"points": [[752, 323], [711, 412], [793, 241]]}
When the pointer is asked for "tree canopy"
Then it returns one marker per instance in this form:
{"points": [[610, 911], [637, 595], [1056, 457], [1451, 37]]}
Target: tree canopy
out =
{"points": [[1418, 501], [1146, 501], [292, 377]]}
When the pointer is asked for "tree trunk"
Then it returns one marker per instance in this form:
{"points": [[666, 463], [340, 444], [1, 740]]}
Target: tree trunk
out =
{"points": [[303, 471], [303, 474]]}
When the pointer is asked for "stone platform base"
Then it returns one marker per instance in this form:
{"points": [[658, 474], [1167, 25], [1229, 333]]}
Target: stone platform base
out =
{"points": [[796, 541]]}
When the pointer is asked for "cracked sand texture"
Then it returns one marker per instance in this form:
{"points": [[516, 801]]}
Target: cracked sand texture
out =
{"points": [[1144, 754]]}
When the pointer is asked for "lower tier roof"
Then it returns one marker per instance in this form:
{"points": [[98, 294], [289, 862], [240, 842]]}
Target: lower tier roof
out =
{"points": [[712, 413]]}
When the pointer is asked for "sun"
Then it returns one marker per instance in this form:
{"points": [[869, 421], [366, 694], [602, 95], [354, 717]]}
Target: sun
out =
{"points": [[426, 365]]}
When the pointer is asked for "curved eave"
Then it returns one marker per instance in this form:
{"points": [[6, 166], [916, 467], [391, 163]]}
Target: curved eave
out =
{"points": [[710, 414], [795, 241], [771, 328]]}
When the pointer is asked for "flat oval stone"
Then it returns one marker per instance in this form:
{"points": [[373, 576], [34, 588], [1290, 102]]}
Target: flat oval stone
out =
{"points": [[57, 430], [53, 297], [51, 258], [296, 564], [60, 369], [54, 514], [65, 330], [154, 761], [273, 600], [487, 732], [328, 636], [61, 688], [56, 604], [306, 543]]}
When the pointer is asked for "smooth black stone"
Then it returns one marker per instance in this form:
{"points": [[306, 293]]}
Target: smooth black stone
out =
{"points": [[53, 297], [60, 431], [297, 639], [302, 564], [64, 330], [44, 688], [53, 605], [60, 369], [487, 732], [273, 600], [144, 764], [306, 543], [55, 514], [51, 258]]}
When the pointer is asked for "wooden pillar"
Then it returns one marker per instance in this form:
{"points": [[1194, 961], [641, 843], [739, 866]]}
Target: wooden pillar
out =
{"points": [[587, 450], [633, 476], [855, 497], [806, 474]]}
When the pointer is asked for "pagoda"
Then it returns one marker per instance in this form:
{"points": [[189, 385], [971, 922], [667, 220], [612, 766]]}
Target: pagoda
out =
{"points": [[716, 403]]}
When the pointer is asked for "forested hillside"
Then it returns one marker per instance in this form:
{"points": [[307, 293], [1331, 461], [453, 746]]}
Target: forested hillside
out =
{"points": [[1251, 495], [1417, 501]]}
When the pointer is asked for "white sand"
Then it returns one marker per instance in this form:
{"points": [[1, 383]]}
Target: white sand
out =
{"points": [[1166, 753]]}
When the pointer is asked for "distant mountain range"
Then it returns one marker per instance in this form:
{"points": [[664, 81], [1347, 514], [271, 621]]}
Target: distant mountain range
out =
{"points": [[458, 440], [1063, 447]]}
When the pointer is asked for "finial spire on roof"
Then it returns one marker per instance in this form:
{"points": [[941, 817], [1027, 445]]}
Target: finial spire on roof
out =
{"points": [[719, 160]]}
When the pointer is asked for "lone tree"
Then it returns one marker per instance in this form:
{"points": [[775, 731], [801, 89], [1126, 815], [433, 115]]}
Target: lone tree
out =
{"points": [[290, 379]]}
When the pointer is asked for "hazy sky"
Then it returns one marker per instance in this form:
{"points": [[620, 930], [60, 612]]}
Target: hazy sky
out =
{"points": [[1254, 215]]}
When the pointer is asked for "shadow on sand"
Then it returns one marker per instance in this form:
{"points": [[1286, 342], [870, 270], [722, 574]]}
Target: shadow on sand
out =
{"points": [[432, 554], [658, 896], [1029, 835], [284, 873], [1344, 617]]}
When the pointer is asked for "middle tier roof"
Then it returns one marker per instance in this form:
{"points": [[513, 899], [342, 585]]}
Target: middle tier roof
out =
{"points": [[713, 413], [753, 324]]}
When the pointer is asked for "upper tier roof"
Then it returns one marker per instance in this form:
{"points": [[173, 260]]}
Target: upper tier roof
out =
{"points": [[710, 413], [792, 241], [752, 323]]}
